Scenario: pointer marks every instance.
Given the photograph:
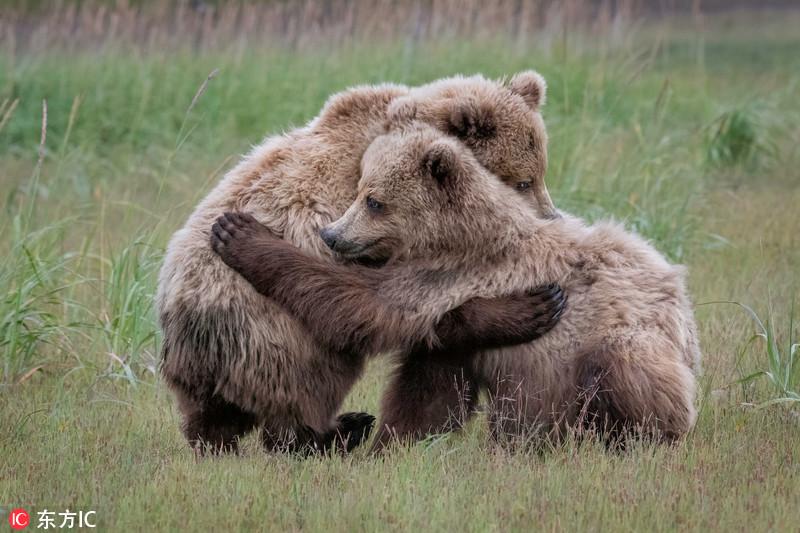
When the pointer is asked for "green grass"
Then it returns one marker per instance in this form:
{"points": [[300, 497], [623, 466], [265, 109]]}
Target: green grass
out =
{"points": [[692, 142]]}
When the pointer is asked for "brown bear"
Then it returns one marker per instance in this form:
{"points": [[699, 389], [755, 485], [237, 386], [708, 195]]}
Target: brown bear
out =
{"points": [[621, 361], [237, 360]]}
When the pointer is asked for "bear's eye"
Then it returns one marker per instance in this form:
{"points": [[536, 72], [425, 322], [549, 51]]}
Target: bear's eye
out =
{"points": [[523, 186], [374, 205]]}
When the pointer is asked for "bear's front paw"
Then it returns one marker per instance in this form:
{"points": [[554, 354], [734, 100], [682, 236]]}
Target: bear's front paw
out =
{"points": [[545, 306], [233, 236], [352, 429]]}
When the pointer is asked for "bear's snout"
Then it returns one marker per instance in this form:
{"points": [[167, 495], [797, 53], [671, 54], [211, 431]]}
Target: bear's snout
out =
{"points": [[330, 237], [344, 247]]}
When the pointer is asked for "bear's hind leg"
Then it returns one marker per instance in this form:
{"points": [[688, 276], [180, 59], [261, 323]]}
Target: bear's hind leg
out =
{"points": [[635, 391], [214, 425]]}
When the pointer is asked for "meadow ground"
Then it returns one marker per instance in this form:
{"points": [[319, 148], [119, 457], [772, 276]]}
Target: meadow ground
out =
{"points": [[690, 138]]}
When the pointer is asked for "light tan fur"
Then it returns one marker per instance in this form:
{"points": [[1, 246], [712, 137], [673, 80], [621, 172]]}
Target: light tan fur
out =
{"points": [[222, 339], [627, 338]]}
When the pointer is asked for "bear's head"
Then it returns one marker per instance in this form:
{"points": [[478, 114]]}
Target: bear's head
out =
{"points": [[500, 121], [424, 194]]}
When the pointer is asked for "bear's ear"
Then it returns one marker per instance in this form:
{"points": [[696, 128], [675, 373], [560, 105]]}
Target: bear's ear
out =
{"points": [[441, 162], [470, 120], [530, 85], [401, 111]]}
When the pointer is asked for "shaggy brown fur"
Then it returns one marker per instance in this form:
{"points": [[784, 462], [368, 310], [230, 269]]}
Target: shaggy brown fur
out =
{"points": [[623, 357], [435, 386], [315, 291], [235, 358]]}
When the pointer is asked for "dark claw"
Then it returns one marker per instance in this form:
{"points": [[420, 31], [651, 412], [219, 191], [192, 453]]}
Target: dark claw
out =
{"points": [[220, 233], [562, 307], [226, 223], [551, 303], [545, 291]]}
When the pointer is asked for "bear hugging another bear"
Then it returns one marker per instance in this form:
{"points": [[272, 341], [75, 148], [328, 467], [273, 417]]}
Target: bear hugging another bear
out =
{"points": [[622, 359], [236, 360], [452, 201]]}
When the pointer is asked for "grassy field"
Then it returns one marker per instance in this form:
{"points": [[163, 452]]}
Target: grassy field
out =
{"points": [[687, 131]]}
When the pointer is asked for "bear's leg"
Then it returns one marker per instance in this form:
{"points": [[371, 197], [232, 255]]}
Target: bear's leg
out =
{"points": [[301, 440], [213, 425], [426, 395], [350, 431], [626, 391], [520, 404]]}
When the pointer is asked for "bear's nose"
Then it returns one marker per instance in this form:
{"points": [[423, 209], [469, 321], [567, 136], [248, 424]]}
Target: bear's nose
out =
{"points": [[329, 237]]}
